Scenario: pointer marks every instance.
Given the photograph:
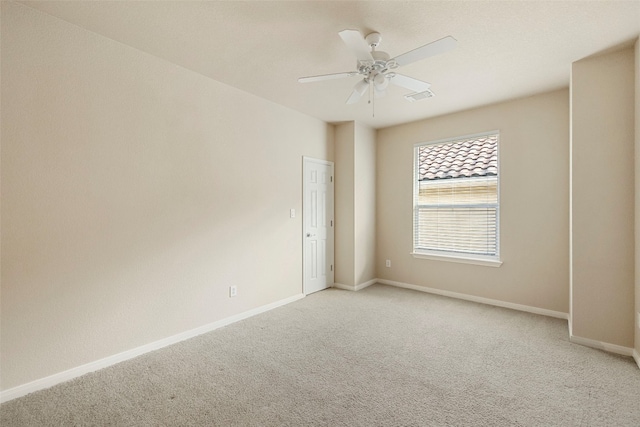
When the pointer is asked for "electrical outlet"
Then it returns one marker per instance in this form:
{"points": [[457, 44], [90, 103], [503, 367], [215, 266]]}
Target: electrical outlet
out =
{"points": [[388, 263], [233, 291], [292, 213]]}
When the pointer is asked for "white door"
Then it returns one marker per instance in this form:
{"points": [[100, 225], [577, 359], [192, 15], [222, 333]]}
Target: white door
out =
{"points": [[317, 225]]}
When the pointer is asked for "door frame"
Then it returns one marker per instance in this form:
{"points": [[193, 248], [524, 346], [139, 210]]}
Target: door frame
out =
{"points": [[331, 276]]}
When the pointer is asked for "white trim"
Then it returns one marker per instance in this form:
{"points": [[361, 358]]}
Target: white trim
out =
{"points": [[488, 301], [50, 381], [356, 287], [343, 287], [459, 259], [366, 284], [612, 348], [570, 321]]}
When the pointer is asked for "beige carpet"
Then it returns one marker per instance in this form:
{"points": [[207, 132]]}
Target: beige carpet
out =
{"points": [[378, 357]]}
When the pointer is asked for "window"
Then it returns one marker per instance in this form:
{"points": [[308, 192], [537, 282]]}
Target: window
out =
{"points": [[457, 200]]}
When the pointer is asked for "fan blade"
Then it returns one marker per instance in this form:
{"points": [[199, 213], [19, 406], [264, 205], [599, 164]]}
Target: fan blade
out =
{"points": [[358, 90], [356, 44], [435, 48], [410, 83], [326, 77]]}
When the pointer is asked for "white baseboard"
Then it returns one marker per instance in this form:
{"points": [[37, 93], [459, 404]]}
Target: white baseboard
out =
{"points": [[356, 287], [498, 303], [612, 348], [43, 383], [570, 325], [343, 287]]}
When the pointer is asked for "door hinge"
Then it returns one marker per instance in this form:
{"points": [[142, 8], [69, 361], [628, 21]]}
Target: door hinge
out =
{"points": [[331, 267], [331, 223], [331, 178]]}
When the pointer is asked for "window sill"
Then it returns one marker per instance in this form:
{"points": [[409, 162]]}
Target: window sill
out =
{"points": [[459, 259]]}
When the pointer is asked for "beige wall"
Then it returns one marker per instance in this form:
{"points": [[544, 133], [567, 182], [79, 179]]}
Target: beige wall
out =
{"points": [[602, 197], [134, 192], [534, 191], [637, 200], [355, 147], [344, 203], [365, 204]]}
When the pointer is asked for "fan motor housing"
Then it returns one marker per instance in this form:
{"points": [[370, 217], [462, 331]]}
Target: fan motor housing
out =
{"points": [[381, 63]]}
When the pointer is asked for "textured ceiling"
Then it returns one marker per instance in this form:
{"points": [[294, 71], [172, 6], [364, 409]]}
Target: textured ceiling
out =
{"points": [[505, 49]]}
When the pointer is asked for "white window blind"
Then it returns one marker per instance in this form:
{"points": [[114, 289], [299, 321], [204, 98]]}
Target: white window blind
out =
{"points": [[456, 199]]}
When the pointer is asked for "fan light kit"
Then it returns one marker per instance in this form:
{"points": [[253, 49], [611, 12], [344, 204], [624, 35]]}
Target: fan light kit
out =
{"points": [[376, 66]]}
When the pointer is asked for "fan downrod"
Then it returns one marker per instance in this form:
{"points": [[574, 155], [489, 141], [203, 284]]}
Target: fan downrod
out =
{"points": [[373, 39]]}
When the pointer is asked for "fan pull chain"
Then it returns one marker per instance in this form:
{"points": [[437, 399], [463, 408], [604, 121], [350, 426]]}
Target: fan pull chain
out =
{"points": [[372, 100]]}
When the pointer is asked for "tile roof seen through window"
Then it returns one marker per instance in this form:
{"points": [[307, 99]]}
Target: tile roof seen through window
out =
{"points": [[459, 159]]}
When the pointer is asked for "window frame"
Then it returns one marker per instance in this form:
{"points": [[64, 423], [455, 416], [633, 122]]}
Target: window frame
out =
{"points": [[484, 260]]}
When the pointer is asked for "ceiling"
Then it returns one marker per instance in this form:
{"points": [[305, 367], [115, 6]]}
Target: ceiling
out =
{"points": [[505, 50]]}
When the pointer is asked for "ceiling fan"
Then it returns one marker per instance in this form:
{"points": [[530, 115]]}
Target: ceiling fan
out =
{"points": [[376, 66]]}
